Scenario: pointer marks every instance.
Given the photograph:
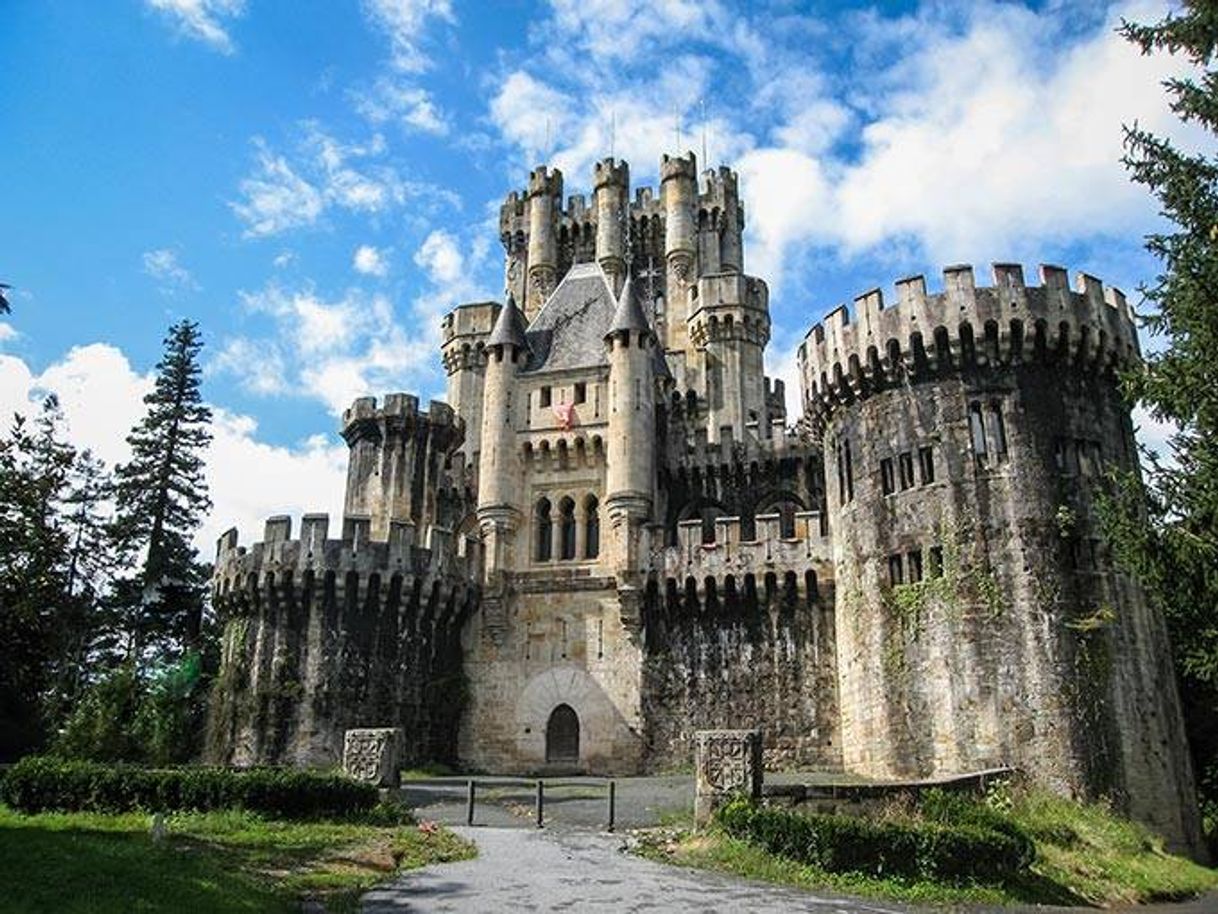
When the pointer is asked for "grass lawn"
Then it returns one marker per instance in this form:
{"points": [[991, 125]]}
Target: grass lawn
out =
{"points": [[1084, 856], [220, 861]]}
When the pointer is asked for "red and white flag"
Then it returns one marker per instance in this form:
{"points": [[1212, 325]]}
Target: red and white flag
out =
{"points": [[564, 413]]}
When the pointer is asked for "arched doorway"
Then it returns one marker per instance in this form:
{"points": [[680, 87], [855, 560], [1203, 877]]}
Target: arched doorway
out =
{"points": [[562, 736]]}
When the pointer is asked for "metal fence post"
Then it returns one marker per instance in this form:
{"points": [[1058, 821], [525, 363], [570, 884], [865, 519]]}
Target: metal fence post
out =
{"points": [[541, 803], [612, 803], [469, 804]]}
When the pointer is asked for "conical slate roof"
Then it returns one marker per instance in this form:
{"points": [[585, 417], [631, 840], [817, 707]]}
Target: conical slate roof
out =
{"points": [[509, 327], [629, 317]]}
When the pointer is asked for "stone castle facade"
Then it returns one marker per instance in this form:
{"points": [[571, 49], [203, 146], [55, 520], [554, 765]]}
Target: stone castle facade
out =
{"points": [[613, 535]]}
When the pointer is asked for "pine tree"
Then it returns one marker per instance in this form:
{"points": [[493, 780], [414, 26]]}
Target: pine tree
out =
{"points": [[161, 497], [1170, 539]]}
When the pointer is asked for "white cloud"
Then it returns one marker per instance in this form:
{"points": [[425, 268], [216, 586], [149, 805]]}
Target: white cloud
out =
{"points": [[370, 261], [325, 173], [330, 350], [7, 332], [404, 22], [163, 266], [101, 395], [201, 20], [410, 106], [440, 257], [284, 259], [276, 198]]}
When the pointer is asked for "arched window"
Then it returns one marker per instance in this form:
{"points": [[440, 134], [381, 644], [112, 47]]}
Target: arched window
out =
{"points": [[566, 511], [592, 528], [545, 531]]}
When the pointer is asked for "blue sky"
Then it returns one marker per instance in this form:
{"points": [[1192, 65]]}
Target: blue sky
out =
{"points": [[317, 182]]}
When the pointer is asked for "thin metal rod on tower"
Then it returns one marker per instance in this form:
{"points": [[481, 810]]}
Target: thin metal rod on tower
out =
{"points": [[705, 160], [612, 133]]}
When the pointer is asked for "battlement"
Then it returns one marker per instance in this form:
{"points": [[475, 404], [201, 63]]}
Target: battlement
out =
{"points": [[401, 410], [721, 188], [440, 555], [543, 180], [472, 319], [685, 166], [611, 172], [757, 442], [770, 549], [1090, 327]]}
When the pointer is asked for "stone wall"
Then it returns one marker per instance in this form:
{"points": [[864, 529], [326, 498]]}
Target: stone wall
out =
{"points": [[762, 657], [322, 635]]}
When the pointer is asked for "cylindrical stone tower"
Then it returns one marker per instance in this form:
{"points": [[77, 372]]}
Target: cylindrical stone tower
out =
{"points": [[544, 202], [981, 620], [631, 471], [612, 191], [679, 195], [499, 470]]}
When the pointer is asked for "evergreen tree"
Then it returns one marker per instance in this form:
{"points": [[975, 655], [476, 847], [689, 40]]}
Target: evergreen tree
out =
{"points": [[1171, 538], [44, 601], [161, 496]]}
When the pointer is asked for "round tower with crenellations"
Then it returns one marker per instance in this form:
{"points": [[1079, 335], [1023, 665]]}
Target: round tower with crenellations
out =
{"points": [[980, 619]]}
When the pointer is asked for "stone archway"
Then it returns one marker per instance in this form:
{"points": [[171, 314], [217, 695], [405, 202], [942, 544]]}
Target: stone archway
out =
{"points": [[562, 736]]}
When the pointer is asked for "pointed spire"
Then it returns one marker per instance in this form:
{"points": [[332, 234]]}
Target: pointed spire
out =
{"points": [[509, 327], [629, 317]]}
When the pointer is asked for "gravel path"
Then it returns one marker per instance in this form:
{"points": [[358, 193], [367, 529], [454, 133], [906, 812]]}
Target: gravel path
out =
{"points": [[530, 870]]}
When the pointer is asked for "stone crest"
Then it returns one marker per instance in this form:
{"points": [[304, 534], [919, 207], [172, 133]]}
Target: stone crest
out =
{"points": [[728, 764], [373, 755]]}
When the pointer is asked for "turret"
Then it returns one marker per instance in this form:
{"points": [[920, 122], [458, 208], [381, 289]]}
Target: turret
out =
{"points": [[498, 468], [544, 203], [464, 334], [679, 195], [631, 471], [397, 458], [722, 199], [612, 190]]}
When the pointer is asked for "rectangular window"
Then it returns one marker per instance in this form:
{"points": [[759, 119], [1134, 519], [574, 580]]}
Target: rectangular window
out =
{"points": [[935, 568], [905, 462], [887, 477], [638, 393], [896, 574], [976, 427], [841, 475], [999, 431], [545, 396], [914, 562], [849, 474], [926, 465], [581, 392], [1061, 457]]}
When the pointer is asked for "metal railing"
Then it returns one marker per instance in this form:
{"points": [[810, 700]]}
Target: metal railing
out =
{"points": [[539, 802]]}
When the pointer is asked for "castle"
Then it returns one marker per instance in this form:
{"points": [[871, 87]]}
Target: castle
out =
{"points": [[612, 535]]}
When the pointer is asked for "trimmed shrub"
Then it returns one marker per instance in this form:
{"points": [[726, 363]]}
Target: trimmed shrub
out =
{"points": [[42, 784], [910, 850]]}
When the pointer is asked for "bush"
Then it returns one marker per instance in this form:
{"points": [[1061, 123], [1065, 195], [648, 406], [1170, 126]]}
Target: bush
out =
{"points": [[914, 850], [40, 784]]}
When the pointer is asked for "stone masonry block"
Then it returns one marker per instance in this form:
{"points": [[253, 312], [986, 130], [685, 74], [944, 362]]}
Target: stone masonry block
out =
{"points": [[727, 763], [374, 755]]}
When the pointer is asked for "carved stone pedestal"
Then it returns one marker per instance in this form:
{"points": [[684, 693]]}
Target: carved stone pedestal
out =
{"points": [[374, 755], [727, 763]]}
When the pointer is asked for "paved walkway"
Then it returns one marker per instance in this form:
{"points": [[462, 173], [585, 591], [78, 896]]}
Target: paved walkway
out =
{"points": [[573, 871]]}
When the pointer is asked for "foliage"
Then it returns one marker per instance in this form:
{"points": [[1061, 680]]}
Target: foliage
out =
{"points": [[225, 861], [952, 853], [1084, 854], [1169, 536], [54, 566], [43, 783]]}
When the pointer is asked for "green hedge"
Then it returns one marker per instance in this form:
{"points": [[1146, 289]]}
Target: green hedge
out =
{"points": [[41, 784], [949, 853]]}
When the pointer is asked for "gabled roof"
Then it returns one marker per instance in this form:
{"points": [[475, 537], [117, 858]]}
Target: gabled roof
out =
{"points": [[569, 330]]}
